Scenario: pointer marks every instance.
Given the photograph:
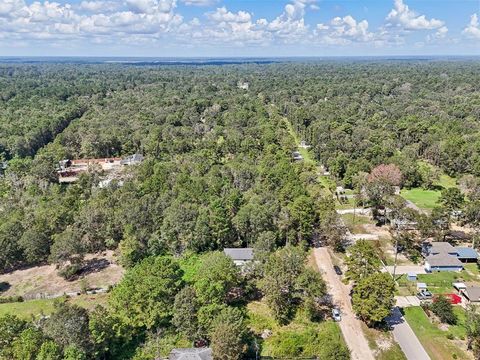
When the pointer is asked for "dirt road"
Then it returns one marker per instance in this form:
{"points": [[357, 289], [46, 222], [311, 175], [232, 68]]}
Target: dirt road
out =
{"points": [[351, 327]]}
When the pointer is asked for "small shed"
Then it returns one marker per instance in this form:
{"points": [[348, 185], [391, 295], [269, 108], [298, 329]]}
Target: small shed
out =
{"points": [[459, 286], [411, 276], [421, 286]]}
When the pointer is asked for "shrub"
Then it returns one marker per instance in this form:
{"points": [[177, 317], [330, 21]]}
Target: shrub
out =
{"points": [[70, 272], [442, 307], [10, 299]]}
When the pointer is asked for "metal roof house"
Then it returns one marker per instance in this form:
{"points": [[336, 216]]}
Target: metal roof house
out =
{"points": [[466, 254], [191, 354], [240, 256], [442, 262]]}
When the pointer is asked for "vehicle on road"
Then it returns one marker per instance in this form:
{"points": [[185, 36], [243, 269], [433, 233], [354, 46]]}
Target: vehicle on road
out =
{"points": [[337, 269], [337, 316]]}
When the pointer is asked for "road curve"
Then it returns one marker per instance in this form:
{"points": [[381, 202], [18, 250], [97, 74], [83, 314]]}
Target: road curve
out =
{"points": [[350, 326]]}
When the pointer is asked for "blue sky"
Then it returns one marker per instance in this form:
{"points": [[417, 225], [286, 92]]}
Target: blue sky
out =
{"points": [[239, 28]]}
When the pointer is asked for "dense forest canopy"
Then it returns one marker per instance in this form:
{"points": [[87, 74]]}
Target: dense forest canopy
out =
{"points": [[217, 171]]}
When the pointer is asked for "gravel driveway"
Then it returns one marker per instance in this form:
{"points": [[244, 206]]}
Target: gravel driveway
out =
{"points": [[350, 326]]}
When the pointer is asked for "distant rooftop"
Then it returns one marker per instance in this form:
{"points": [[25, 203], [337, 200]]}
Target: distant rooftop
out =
{"points": [[239, 253], [191, 354]]}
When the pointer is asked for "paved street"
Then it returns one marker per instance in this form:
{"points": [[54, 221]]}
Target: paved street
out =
{"points": [[405, 269], [350, 326], [405, 337], [406, 301]]}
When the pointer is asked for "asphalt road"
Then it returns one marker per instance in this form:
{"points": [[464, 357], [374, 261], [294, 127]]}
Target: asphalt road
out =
{"points": [[405, 337], [350, 326]]}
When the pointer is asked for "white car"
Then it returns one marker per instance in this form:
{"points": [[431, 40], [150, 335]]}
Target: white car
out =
{"points": [[336, 314]]}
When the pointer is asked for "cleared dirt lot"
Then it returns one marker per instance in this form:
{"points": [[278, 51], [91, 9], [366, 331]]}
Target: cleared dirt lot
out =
{"points": [[102, 272]]}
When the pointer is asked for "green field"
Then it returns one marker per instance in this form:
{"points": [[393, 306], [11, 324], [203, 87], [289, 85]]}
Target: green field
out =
{"points": [[355, 225], [433, 339], [424, 199], [35, 308], [374, 337], [427, 199]]}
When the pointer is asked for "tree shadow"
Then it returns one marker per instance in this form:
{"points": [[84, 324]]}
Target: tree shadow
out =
{"points": [[93, 266], [4, 286]]}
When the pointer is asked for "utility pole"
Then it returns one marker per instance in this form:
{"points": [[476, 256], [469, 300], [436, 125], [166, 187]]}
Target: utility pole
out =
{"points": [[396, 254]]}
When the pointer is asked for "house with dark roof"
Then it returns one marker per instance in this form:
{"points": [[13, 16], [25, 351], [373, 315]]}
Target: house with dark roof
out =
{"points": [[441, 247], [191, 354], [442, 262], [240, 256], [472, 294]]}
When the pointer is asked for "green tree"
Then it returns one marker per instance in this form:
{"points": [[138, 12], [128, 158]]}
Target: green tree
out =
{"points": [[131, 250], [216, 276], [227, 335], [362, 261], [27, 345], [68, 326], [452, 199], [311, 287], [442, 307], [72, 352], [472, 325], [145, 296], [279, 282], [185, 310], [11, 327], [49, 351], [373, 297]]}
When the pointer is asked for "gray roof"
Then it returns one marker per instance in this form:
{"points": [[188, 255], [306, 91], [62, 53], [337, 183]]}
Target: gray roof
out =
{"points": [[466, 253], [240, 253], [132, 159], [473, 293], [191, 354], [441, 247], [443, 260]]}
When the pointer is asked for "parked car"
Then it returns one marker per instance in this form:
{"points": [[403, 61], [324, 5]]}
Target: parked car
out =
{"points": [[336, 314], [337, 269], [424, 295]]}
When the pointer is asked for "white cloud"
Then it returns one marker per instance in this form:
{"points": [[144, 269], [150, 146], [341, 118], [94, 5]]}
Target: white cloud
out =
{"points": [[223, 15], [402, 16], [473, 28], [342, 31], [97, 6], [199, 2]]}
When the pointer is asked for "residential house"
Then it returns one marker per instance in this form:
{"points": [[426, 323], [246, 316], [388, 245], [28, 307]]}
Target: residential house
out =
{"points": [[191, 354], [472, 294], [442, 262], [441, 247], [240, 256]]}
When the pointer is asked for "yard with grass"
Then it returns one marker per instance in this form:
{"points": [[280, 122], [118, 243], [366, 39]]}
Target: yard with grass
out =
{"points": [[383, 344], [34, 308], [355, 223], [437, 282], [428, 199], [434, 339], [300, 338]]}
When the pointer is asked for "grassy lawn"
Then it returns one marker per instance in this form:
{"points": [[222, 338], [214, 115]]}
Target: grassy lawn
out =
{"points": [[427, 199], [434, 340], [300, 338], [383, 345], [424, 199], [31, 308], [438, 282], [356, 227]]}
